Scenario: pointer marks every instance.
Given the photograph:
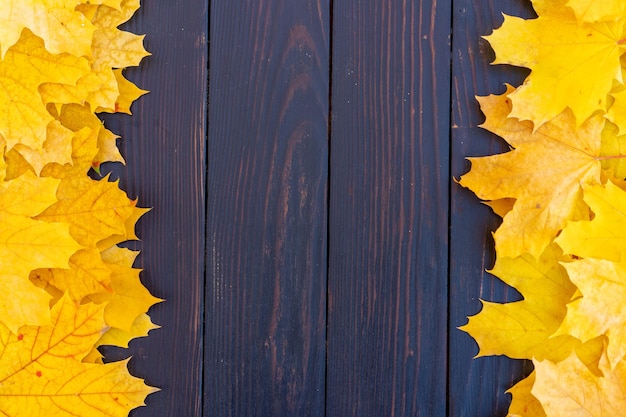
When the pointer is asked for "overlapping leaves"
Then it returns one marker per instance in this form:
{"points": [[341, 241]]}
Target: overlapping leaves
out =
{"points": [[66, 287], [562, 196]]}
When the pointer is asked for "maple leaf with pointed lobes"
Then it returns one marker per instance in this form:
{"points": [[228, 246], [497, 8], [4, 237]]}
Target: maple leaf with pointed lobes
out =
{"points": [[57, 148], [76, 117], [27, 244], [570, 389], [121, 338], [594, 11], [524, 403], [95, 210], [523, 329], [604, 236], [129, 298], [599, 310], [113, 48], [62, 28], [543, 173], [87, 274], [573, 64], [27, 65], [41, 372], [613, 151], [616, 113]]}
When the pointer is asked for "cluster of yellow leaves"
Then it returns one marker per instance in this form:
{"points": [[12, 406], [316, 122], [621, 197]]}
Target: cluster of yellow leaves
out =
{"points": [[561, 193], [66, 287]]}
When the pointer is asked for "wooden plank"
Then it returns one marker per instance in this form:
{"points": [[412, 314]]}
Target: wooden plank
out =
{"points": [[388, 209], [164, 146], [268, 172], [476, 386]]}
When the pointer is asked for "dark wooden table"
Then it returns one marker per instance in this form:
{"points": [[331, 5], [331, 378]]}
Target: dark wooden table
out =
{"points": [[314, 250]]}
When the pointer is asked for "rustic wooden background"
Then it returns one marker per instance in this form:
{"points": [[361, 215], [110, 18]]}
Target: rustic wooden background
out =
{"points": [[314, 250]]}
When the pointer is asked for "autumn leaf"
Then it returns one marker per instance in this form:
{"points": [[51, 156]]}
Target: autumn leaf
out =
{"points": [[55, 21], [129, 299], [543, 173], [613, 151], [570, 389], [560, 186], [76, 117], [600, 309], [524, 403], [129, 92], [573, 64], [26, 244], [27, 65], [617, 111], [113, 48], [57, 148], [121, 338], [523, 329], [60, 61], [41, 372], [603, 237], [95, 210], [593, 11], [87, 274]]}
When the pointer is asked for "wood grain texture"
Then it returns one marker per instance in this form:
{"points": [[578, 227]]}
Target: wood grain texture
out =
{"points": [[164, 146], [388, 209], [268, 173], [477, 387]]}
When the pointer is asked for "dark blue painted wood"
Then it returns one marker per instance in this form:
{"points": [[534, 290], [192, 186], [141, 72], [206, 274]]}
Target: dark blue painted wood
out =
{"points": [[388, 261], [266, 224]]}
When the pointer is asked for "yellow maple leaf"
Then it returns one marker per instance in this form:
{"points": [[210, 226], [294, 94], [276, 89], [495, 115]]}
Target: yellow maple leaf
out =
{"points": [[117, 337], [121, 338], [523, 329], [55, 21], [524, 404], [57, 148], [129, 298], [129, 230], [570, 389], [617, 110], [76, 117], [543, 173], [573, 64], [613, 151], [599, 310], [87, 274], [604, 236], [116, 4], [23, 115], [97, 88], [22, 303], [129, 92], [112, 48], [105, 17], [593, 10], [41, 372], [95, 210], [27, 244]]}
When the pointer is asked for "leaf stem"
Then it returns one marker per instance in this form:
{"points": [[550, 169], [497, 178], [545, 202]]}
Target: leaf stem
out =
{"points": [[602, 158]]}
